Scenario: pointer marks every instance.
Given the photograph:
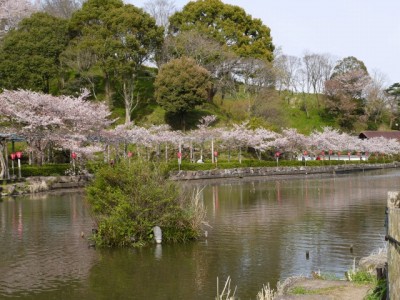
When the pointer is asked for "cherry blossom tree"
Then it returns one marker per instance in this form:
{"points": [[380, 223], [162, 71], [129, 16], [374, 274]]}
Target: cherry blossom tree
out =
{"points": [[12, 12], [262, 140], [42, 118], [292, 142]]}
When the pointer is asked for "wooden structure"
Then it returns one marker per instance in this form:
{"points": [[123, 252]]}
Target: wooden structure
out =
{"points": [[5, 138], [393, 238]]}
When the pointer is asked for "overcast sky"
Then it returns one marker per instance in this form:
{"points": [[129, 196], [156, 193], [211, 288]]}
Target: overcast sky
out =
{"points": [[366, 29]]}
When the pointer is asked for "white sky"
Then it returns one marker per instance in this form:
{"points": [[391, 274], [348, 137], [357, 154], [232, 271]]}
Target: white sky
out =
{"points": [[366, 29]]}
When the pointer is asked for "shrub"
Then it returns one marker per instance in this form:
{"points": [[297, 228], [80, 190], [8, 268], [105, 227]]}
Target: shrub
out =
{"points": [[129, 200], [44, 170]]}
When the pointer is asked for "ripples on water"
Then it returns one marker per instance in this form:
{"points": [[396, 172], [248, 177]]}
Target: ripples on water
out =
{"points": [[41, 245], [261, 230]]}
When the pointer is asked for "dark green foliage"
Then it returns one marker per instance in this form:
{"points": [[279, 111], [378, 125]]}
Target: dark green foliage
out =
{"points": [[228, 24], [29, 56], [128, 200], [180, 85], [44, 170]]}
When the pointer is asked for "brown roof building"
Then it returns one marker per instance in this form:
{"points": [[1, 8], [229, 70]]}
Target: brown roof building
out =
{"points": [[386, 134]]}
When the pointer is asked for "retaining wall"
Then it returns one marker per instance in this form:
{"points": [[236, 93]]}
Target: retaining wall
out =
{"points": [[38, 184], [270, 171]]}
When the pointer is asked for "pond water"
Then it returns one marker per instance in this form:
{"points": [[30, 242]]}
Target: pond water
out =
{"points": [[261, 230]]}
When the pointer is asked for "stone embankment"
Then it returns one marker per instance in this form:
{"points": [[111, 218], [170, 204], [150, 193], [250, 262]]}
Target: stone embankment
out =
{"points": [[38, 184], [274, 171]]}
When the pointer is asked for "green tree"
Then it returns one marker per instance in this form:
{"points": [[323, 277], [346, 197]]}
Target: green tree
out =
{"points": [[348, 64], [180, 85], [29, 55], [122, 38], [345, 92], [228, 24], [393, 94], [208, 53]]}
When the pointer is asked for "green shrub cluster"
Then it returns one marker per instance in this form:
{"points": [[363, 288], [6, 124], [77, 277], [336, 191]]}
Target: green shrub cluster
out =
{"points": [[44, 170], [128, 200]]}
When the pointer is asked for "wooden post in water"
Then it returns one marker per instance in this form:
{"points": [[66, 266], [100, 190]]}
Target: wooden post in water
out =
{"points": [[393, 238]]}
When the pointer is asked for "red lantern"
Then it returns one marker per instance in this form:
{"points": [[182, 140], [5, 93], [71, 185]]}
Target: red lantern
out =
{"points": [[277, 154], [179, 155], [13, 156], [323, 153], [18, 154], [73, 155], [305, 152], [330, 152], [130, 154], [215, 153]]}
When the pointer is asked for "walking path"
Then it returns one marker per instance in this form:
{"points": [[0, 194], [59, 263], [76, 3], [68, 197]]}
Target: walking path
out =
{"points": [[310, 289]]}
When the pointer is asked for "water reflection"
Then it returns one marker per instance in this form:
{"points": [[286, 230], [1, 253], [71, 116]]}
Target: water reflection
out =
{"points": [[42, 248], [261, 231]]}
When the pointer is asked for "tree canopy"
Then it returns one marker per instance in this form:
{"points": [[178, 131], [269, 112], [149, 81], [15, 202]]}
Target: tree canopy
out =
{"points": [[228, 24], [181, 84], [348, 64], [29, 56], [119, 39]]}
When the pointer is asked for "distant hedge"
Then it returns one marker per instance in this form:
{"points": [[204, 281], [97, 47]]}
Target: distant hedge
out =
{"points": [[44, 170], [186, 166]]}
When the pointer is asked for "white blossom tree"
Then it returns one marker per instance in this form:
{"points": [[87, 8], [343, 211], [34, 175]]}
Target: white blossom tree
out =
{"points": [[42, 118], [12, 12]]}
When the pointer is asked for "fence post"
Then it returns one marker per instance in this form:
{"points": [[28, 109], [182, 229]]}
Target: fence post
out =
{"points": [[393, 238]]}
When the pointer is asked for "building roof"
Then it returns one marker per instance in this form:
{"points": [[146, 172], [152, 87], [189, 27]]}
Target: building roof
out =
{"points": [[385, 134]]}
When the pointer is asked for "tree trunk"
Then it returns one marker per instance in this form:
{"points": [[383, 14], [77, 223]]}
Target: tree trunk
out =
{"points": [[3, 166], [211, 92], [108, 91]]}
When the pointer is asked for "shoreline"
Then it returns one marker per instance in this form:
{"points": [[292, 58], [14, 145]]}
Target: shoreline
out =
{"points": [[277, 172], [39, 184]]}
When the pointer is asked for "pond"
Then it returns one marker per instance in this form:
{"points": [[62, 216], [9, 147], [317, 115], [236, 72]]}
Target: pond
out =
{"points": [[261, 229]]}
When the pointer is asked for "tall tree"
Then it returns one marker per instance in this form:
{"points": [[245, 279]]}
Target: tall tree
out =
{"points": [[346, 97], [345, 91], [393, 94], [181, 84], [208, 53], [287, 70], [122, 38], [29, 56], [377, 101], [228, 24], [348, 64], [317, 68], [160, 10]]}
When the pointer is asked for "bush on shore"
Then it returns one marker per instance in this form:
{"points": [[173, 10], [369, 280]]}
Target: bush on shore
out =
{"points": [[128, 200]]}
